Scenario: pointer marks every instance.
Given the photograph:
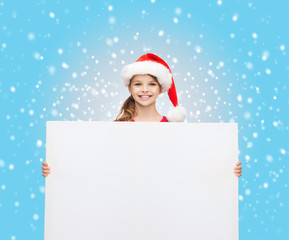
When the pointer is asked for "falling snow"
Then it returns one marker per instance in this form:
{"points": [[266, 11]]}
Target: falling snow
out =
{"points": [[230, 66]]}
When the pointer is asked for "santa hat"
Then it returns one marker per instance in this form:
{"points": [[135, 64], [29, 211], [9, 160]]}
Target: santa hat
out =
{"points": [[154, 65]]}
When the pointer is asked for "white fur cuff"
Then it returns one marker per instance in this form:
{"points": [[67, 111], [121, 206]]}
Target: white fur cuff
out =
{"points": [[148, 67]]}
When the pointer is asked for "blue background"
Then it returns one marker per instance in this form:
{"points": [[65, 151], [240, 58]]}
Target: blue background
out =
{"points": [[61, 60]]}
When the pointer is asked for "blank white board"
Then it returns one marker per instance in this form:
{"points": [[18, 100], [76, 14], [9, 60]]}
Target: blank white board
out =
{"points": [[141, 181]]}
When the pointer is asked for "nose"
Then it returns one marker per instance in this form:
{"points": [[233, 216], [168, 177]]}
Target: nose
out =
{"points": [[145, 88]]}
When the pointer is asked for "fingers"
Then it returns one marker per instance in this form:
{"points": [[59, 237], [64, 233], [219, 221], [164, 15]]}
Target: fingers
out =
{"points": [[45, 169], [237, 168], [45, 166], [45, 173]]}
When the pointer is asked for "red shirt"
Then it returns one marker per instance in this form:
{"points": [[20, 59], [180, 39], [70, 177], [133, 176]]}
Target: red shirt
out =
{"points": [[164, 119]]}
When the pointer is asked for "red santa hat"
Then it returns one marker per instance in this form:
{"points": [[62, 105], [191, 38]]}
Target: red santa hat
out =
{"points": [[152, 64]]}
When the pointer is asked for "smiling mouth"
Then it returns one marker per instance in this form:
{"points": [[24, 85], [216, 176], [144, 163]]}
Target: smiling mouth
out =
{"points": [[145, 96]]}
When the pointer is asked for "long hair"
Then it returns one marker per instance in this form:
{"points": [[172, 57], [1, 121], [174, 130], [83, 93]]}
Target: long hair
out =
{"points": [[128, 110]]}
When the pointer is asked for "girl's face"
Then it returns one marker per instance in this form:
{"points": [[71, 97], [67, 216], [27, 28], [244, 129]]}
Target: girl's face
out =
{"points": [[144, 89]]}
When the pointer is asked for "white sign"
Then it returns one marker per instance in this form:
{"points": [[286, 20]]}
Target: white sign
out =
{"points": [[141, 181]]}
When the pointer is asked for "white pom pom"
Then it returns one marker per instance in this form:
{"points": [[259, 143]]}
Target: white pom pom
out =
{"points": [[177, 114]]}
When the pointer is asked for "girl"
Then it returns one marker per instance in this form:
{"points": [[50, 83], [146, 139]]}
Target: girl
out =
{"points": [[146, 79]]}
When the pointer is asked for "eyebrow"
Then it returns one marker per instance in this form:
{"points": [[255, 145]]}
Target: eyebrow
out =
{"points": [[154, 81]]}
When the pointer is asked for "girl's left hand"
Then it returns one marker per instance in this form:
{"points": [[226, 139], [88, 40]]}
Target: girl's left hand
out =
{"points": [[237, 169]]}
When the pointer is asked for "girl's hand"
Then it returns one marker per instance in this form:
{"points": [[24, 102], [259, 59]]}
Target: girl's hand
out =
{"points": [[46, 169], [237, 169]]}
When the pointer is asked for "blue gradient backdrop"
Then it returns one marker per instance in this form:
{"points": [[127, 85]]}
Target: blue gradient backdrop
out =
{"points": [[61, 60]]}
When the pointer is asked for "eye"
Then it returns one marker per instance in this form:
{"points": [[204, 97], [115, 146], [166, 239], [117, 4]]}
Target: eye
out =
{"points": [[153, 84], [137, 84]]}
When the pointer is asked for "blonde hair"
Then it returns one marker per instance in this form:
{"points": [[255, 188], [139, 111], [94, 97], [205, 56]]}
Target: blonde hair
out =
{"points": [[128, 110]]}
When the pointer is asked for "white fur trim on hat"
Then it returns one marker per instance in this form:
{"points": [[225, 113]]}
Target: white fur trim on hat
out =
{"points": [[148, 67], [177, 114]]}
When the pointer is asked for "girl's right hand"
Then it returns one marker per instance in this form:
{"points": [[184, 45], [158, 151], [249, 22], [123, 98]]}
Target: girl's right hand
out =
{"points": [[46, 169]]}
